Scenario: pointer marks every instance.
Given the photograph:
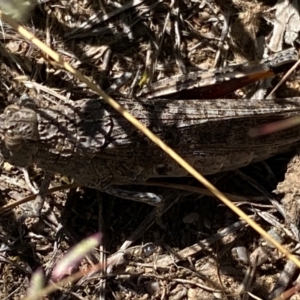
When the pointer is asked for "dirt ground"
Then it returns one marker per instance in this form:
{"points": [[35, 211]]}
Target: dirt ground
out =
{"points": [[203, 251]]}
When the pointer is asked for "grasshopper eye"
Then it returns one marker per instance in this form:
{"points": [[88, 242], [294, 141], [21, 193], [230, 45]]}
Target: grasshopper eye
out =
{"points": [[11, 109], [13, 142]]}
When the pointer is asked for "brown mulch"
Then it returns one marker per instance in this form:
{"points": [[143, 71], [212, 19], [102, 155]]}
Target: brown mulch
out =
{"points": [[181, 260]]}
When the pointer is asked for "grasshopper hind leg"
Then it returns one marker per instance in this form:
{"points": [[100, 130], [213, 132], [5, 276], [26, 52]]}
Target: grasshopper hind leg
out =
{"points": [[34, 209]]}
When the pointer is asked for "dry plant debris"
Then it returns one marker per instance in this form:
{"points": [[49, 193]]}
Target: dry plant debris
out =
{"points": [[204, 252]]}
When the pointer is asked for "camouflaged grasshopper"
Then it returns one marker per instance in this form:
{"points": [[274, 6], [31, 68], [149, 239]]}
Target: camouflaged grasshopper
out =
{"points": [[88, 141]]}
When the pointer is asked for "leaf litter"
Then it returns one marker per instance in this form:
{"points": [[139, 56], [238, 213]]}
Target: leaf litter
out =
{"points": [[200, 259]]}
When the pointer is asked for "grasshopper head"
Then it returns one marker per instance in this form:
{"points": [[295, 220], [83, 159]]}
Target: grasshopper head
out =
{"points": [[19, 134]]}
